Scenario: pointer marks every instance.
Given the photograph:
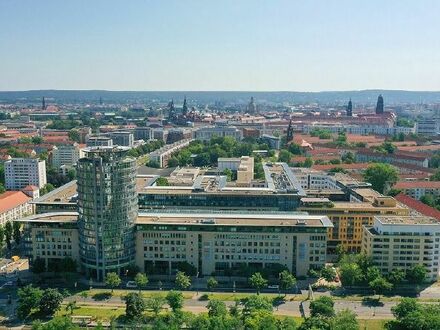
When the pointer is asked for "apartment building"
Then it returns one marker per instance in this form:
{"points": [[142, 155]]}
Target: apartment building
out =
{"points": [[14, 205], [402, 242], [122, 138], [65, 155], [349, 217], [21, 172], [417, 189]]}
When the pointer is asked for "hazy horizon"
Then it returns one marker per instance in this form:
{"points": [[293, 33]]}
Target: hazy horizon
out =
{"points": [[195, 45]]}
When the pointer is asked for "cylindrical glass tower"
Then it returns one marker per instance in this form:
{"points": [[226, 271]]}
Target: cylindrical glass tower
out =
{"points": [[107, 202]]}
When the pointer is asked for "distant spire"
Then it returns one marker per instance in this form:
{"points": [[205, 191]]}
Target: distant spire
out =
{"points": [[43, 106], [185, 107], [379, 106], [350, 109], [171, 113], [289, 132]]}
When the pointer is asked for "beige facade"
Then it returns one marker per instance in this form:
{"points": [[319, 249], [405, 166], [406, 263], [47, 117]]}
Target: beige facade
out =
{"points": [[214, 243], [402, 242], [52, 237], [211, 242]]}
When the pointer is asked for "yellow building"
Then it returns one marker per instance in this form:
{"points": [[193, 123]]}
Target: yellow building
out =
{"points": [[349, 217]]}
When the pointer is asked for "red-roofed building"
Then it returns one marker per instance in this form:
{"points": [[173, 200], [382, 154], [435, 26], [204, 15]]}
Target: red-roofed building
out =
{"points": [[418, 206], [32, 191], [417, 189], [14, 205]]}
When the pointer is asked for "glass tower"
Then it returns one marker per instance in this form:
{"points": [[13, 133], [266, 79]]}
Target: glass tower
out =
{"points": [[107, 206]]}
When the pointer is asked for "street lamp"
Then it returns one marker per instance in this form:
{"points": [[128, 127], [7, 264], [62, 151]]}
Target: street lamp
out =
{"points": [[197, 282]]}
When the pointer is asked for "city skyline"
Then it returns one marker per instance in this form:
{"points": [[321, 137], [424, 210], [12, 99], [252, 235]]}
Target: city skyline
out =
{"points": [[249, 45]]}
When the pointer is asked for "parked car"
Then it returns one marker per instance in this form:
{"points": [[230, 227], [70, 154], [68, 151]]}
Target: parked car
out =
{"points": [[131, 284]]}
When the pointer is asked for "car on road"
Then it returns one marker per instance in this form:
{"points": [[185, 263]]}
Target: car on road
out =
{"points": [[131, 284], [274, 286]]}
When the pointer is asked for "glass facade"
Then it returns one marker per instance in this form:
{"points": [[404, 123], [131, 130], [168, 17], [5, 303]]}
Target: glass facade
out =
{"points": [[107, 206], [264, 202]]}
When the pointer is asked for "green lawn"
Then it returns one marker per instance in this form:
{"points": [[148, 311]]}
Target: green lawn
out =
{"points": [[102, 313], [372, 324], [122, 293]]}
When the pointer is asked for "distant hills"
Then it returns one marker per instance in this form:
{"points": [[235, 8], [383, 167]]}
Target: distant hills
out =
{"points": [[330, 97]]}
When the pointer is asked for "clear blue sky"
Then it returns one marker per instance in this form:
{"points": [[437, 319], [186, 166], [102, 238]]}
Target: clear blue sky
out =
{"points": [[220, 44]]}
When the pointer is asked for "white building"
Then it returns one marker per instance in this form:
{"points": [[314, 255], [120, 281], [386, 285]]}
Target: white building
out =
{"points": [[400, 242], [66, 155], [206, 133], [429, 127], [21, 172]]}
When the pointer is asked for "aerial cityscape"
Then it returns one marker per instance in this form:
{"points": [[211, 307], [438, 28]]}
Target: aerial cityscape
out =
{"points": [[195, 189]]}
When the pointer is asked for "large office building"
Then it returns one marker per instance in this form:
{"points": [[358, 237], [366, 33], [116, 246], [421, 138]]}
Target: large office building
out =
{"points": [[207, 133], [402, 242], [122, 138], [107, 206], [211, 242], [22, 172]]}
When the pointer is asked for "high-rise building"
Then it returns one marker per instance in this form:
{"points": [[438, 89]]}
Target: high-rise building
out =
{"points": [[21, 172], [379, 105], [350, 109], [65, 155], [107, 207]]}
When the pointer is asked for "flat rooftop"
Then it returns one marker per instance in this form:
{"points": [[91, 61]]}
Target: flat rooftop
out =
{"points": [[407, 220], [55, 217], [233, 219], [63, 194]]}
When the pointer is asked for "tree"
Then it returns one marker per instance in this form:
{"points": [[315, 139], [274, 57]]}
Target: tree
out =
{"points": [[255, 303], [345, 320], [155, 303], [287, 281], [435, 176], [211, 283], [161, 181], [8, 234], [328, 273], [350, 274], [416, 274], [404, 307], [216, 308], [84, 295], [57, 323], [2, 188], [284, 156], [396, 276], [295, 149], [141, 280], [112, 280], [134, 306], [71, 306], [28, 300], [372, 273], [380, 174], [323, 306], [38, 265], [228, 174], [380, 284], [173, 162], [2, 236], [257, 281], [182, 281], [16, 232], [74, 135], [47, 189], [50, 301], [175, 300]]}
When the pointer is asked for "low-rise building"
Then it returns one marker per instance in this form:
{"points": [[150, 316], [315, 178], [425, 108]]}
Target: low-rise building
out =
{"points": [[14, 205], [67, 155], [206, 133], [402, 242], [417, 189], [99, 141]]}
